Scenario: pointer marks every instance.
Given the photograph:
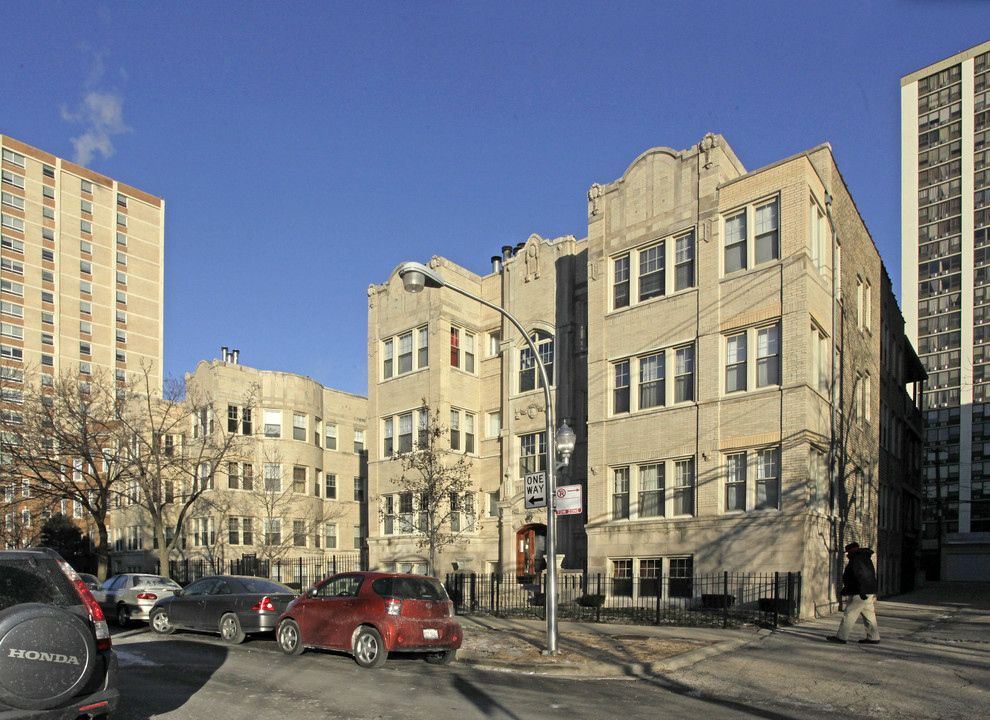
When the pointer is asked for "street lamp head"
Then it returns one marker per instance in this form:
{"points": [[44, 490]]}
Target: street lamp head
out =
{"points": [[565, 439], [416, 276]]}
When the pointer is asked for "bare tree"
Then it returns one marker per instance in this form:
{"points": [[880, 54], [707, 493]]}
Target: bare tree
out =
{"points": [[434, 502], [170, 471], [64, 441], [280, 502]]}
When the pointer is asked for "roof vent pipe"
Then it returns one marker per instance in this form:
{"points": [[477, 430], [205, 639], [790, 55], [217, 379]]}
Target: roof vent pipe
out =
{"points": [[506, 252], [496, 263], [223, 353], [236, 354]]}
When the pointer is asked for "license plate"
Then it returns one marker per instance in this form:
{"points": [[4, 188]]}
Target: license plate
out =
{"points": [[431, 634]]}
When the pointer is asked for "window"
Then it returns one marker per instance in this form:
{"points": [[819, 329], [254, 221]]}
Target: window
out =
{"points": [[121, 200], [331, 436], [86, 186], [47, 318], [651, 272], [768, 356], [14, 266], [121, 316], [122, 297], [298, 426], [273, 423], [387, 434], [85, 287], [14, 158], [405, 353], [85, 226], [121, 219], [532, 453], [48, 192], [462, 349], [405, 432], [85, 348], [12, 288], [768, 479], [651, 490], [11, 222], [121, 278], [620, 493], [620, 391], [735, 243], [358, 537], [864, 304], [528, 372], [740, 373], [273, 477], [330, 535], [85, 307], [12, 244], [48, 213], [121, 239], [298, 479], [387, 351], [494, 423], [85, 327], [12, 331], [48, 255], [273, 531], [684, 487], [455, 430], [462, 512], [86, 206], [820, 239], [735, 363], [10, 178], [468, 433], [359, 495], [735, 482], [767, 237], [681, 575], [684, 374], [11, 200], [620, 282], [740, 250], [359, 441], [651, 385], [121, 258], [684, 262], [85, 368]]}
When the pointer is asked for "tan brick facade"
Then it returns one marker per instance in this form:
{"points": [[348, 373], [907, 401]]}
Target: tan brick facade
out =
{"points": [[693, 339]]}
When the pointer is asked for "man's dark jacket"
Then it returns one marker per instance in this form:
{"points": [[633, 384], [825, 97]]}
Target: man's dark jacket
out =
{"points": [[859, 577]]}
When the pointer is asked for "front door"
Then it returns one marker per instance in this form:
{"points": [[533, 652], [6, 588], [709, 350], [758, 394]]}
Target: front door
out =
{"points": [[531, 549]]}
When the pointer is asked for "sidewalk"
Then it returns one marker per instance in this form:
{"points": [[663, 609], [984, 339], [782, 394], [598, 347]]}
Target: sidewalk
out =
{"points": [[602, 649], [592, 649]]}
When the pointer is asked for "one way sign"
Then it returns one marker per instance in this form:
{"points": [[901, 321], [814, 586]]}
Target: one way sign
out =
{"points": [[536, 490]]}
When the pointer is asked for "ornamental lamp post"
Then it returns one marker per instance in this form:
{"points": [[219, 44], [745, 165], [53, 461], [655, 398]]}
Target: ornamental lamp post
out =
{"points": [[415, 277]]}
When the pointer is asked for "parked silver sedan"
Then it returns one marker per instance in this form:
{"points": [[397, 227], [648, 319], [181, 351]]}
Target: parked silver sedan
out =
{"points": [[130, 596]]}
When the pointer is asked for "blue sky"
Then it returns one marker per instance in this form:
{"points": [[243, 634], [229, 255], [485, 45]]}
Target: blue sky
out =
{"points": [[304, 149]]}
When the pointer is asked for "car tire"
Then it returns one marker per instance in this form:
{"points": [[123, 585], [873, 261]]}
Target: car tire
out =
{"points": [[289, 638], [159, 622], [230, 629], [47, 655], [441, 658], [369, 650], [123, 615]]}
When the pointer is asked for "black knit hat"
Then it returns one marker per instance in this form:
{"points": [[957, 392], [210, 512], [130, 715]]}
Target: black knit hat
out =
{"points": [[852, 546]]}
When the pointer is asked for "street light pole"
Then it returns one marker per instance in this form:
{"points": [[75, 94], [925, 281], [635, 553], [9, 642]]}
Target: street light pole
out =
{"points": [[415, 277]]}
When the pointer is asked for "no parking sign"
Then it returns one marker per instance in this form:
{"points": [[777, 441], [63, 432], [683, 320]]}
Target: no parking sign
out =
{"points": [[568, 500]]}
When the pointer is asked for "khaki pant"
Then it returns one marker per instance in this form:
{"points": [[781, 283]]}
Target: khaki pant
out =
{"points": [[854, 608]]}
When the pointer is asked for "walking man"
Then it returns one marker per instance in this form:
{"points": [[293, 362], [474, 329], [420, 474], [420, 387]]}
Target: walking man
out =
{"points": [[859, 583]]}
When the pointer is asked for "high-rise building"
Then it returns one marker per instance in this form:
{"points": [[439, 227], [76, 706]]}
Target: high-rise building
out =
{"points": [[82, 276], [725, 344], [945, 268]]}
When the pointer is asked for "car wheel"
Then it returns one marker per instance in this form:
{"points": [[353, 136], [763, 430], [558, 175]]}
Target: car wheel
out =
{"points": [[123, 616], [289, 639], [369, 650], [159, 622], [47, 655], [230, 629], [441, 658]]}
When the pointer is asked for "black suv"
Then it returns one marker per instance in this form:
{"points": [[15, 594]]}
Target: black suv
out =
{"points": [[56, 659]]}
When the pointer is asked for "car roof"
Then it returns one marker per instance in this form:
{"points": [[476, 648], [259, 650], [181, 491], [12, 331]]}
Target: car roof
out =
{"points": [[375, 574]]}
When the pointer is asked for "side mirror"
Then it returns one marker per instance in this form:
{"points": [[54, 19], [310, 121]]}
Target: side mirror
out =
{"points": [[311, 592], [178, 593]]}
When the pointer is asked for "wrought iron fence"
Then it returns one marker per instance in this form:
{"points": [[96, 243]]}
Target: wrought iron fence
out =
{"points": [[719, 599], [298, 573]]}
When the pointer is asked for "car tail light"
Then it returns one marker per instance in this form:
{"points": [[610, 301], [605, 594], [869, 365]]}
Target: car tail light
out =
{"points": [[95, 613], [264, 604], [393, 606], [147, 596], [450, 608]]}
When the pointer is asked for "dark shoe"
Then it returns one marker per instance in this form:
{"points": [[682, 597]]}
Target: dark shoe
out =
{"points": [[867, 641], [833, 638]]}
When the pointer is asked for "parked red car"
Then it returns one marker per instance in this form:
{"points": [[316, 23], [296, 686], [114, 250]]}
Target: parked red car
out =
{"points": [[371, 614]]}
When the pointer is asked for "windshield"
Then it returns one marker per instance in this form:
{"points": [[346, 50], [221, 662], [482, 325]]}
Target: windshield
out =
{"points": [[410, 588]]}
